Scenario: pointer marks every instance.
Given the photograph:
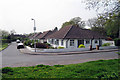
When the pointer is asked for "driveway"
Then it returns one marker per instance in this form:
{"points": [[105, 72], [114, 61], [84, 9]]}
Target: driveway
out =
{"points": [[12, 57]]}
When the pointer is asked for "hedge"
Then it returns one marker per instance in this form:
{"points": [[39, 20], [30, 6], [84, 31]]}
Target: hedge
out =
{"points": [[5, 40]]}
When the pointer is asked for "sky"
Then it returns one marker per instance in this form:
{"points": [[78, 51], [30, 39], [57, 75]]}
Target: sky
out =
{"points": [[48, 14]]}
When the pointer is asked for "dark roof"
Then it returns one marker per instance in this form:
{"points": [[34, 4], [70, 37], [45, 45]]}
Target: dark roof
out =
{"points": [[34, 35], [37, 34], [30, 36], [45, 34], [75, 32]]}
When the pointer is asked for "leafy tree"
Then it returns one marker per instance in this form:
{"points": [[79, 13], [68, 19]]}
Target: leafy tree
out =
{"points": [[97, 24], [106, 25], [112, 26], [75, 21], [67, 23], [12, 32], [4, 33], [78, 21], [100, 30]]}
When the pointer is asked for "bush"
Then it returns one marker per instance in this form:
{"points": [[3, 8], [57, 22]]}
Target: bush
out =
{"points": [[117, 41], [41, 45], [7, 69], [29, 43], [59, 65], [51, 48], [60, 47], [41, 65], [106, 44], [81, 46], [48, 44], [5, 40]]}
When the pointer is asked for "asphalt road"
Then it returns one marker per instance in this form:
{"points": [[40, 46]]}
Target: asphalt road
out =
{"points": [[12, 57]]}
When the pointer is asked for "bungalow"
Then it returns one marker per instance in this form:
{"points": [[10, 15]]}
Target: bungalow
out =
{"points": [[72, 36], [30, 36], [34, 36], [43, 37]]}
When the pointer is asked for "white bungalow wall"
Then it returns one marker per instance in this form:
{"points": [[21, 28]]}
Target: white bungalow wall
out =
{"points": [[66, 43], [54, 45]]}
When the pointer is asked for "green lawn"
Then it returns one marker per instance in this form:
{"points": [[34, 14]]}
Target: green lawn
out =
{"points": [[3, 46], [92, 69]]}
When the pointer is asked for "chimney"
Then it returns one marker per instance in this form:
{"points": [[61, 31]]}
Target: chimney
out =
{"points": [[55, 29]]}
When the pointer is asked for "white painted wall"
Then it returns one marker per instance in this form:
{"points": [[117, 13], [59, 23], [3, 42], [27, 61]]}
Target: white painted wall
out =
{"points": [[111, 42], [95, 44], [75, 43]]}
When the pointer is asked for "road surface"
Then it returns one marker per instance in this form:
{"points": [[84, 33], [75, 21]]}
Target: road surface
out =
{"points": [[12, 57]]}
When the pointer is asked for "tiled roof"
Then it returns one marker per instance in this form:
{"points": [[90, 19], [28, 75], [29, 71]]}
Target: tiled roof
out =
{"points": [[30, 36], [75, 32], [45, 34], [37, 34]]}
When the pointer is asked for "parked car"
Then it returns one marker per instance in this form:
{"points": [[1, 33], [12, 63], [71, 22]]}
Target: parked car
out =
{"points": [[20, 45], [18, 41]]}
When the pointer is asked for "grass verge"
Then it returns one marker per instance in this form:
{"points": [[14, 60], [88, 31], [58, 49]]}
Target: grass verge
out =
{"points": [[92, 69], [3, 46]]}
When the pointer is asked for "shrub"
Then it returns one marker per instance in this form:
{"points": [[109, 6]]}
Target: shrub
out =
{"points": [[117, 41], [59, 65], [81, 46], [5, 40], [29, 42], [106, 44], [48, 44], [7, 69], [60, 47], [41, 45], [41, 65], [51, 48]]}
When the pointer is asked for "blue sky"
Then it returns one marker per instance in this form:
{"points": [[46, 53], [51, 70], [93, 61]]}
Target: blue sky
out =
{"points": [[17, 14]]}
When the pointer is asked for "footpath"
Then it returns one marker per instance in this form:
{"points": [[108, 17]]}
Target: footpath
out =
{"points": [[27, 51]]}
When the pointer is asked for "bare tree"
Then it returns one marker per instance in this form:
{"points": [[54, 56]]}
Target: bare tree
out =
{"points": [[110, 6]]}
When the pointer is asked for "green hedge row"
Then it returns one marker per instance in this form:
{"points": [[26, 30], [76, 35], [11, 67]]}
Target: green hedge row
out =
{"points": [[5, 40]]}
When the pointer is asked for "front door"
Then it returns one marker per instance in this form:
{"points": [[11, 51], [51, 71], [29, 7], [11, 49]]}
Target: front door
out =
{"points": [[80, 42]]}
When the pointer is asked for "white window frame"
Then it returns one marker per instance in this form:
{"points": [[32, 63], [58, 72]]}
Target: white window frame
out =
{"points": [[71, 42]]}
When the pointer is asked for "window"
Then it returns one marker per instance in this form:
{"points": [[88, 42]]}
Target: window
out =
{"points": [[87, 41], [71, 42], [62, 42], [52, 41], [49, 40], [96, 41], [57, 42]]}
